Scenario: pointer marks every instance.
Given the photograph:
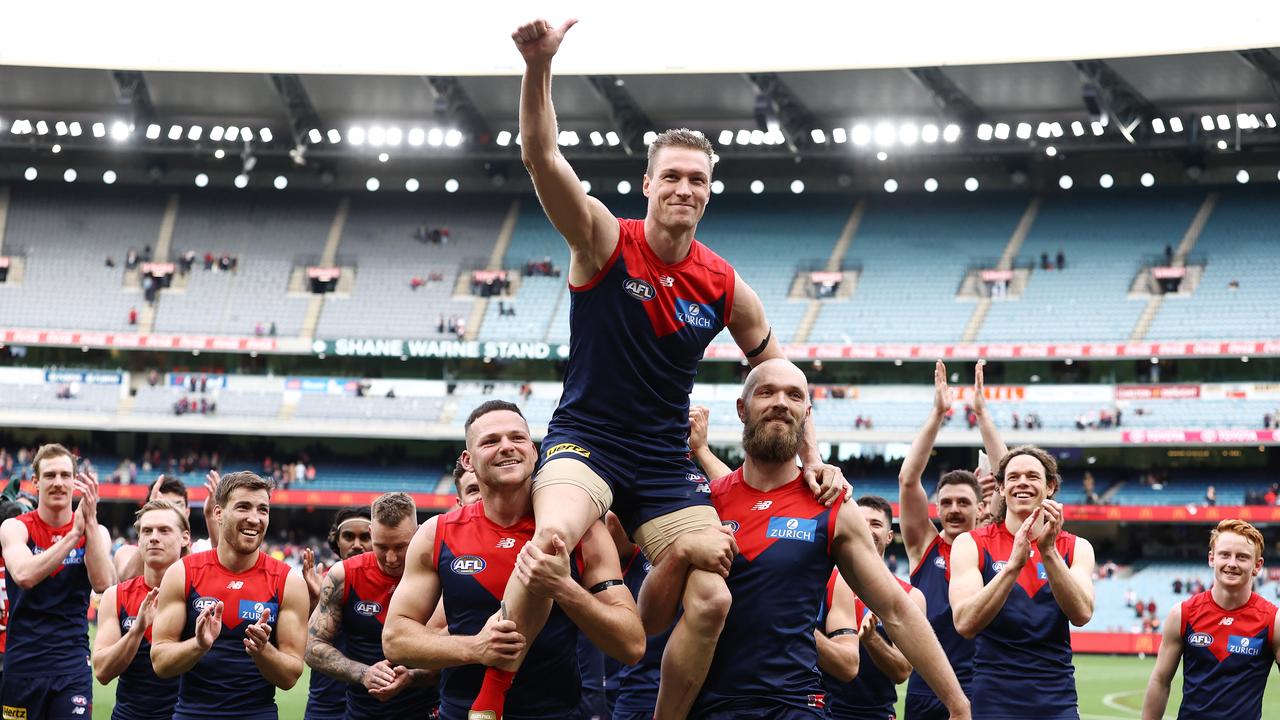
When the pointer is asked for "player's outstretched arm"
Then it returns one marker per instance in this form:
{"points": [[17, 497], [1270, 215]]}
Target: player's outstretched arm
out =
{"points": [[884, 653], [113, 650], [170, 654], [323, 630], [586, 224], [917, 529], [607, 615], [862, 566], [281, 662], [1072, 585], [837, 640], [25, 569], [699, 420], [1157, 697], [991, 440]]}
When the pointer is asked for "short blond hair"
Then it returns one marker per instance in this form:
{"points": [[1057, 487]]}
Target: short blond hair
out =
{"points": [[680, 138], [392, 508], [183, 523], [1241, 528]]}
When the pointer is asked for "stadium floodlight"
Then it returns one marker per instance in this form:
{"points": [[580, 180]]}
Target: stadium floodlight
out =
{"points": [[908, 134], [757, 187], [774, 137], [1002, 131], [1155, 361], [1097, 128], [717, 187], [757, 137], [233, 134], [586, 185], [1175, 124], [1051, 151], [891, 185], [649, 137], [202, 180], [1147, 179], [1077, 128], [60, 127], [394, 136], [334, 137], [372, 184], [175, 132], [119, 131], [314, 136], [860, 134], [216, 133], [1157, 125], [219, 153], [377, 135], [971, 184], [42, 127], [453, 138], [435, 137], [1222, 145], [99, 130], [596, 138], [951, 133], [1065, 182], [726, 137], [930, 185], [624, 187], [355, 135], [264, 134], [1106, 181], [1024, 131], [30, 174], [1242, 177], [503, 139], [55, 149], [1042, 130], [412, 184], [884, 134], [1271, 120], [1246, 121], [383, 157], [929, 133], [1278, 175], [819, 135], [882, 156], [612, 139], [985, 131], [241, 181], [744, 137], [70, 175], [839, 135], [797, 186], [75, 129], [109, 177], [281, 182], [1224, 122], [517, 139], [1055, 129], [1206, 122]]}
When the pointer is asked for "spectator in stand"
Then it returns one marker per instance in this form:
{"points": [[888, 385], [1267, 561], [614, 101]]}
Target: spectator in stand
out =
{"points": [[271, 329], [131, 259], [1044, 261], [1211, 496], [208, 260], [1177, 586], [416, 282], [1017, 421], [111, 262], [300, 472], [146, 253], [1270, 497], [1130, 597], [133, 316], [1062, 260], [1151, 608], [1168, 254]]}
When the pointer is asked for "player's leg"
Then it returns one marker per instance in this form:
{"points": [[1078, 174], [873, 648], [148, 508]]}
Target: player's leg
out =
{"points": [[567, 497]]}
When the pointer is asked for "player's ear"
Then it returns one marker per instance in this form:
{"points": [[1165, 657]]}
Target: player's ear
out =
{"points": [[465, 459], [742, 409], [644, 185]]}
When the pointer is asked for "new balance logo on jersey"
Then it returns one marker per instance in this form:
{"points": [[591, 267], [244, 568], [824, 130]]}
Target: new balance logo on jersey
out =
{"points": [[762, 505], [666, 281], [506, 543], [785, 528], [1241, 645], [235, 584], [1226, 621]]}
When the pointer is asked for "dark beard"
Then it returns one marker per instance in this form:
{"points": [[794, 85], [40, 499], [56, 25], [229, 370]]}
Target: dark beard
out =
{"points": [[766, 446]]}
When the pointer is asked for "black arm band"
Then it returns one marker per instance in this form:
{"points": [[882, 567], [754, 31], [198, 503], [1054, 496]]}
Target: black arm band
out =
{"points": [[842, 631], [601, 587], [763, 344]]}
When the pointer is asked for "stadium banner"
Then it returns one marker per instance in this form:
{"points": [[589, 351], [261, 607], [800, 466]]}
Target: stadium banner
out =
{"points": [[294, 497], [183, 379], [1157, 513], [1113, 643], [128, 341], [467, 349], [1157, 392], [85, 377], [1204, 437], [1016, 351]]}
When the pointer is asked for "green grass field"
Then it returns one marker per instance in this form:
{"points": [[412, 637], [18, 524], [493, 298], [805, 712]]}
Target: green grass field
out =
{"points": [[1110, 687]]}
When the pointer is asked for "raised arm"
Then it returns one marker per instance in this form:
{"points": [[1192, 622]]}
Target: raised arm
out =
{"points": [[991, 439], [25, 569], [1072, 585], [170, 654], [837, 639], [586, 224], [917, 529], [97, 539], [699, 419], [1157, 698]]}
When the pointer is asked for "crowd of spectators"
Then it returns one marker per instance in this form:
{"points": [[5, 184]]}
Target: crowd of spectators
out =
{"points": [[1146, 613], [1102, 419], [541, 268], [1057, 263], [452, 324], [432, 235], [1271, 420]]}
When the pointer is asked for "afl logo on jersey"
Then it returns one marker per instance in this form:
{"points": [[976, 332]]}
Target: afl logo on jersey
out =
{"points": [[732, 525], [204, 602], [368, 608], [1200, 640], [998, 565], [128, 623], [467, 565], [639, 289], [940, 562]]}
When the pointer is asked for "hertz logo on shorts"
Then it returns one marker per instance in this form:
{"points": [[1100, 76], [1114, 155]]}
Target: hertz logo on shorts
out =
{"points": [[14, 713], [568, 447]]}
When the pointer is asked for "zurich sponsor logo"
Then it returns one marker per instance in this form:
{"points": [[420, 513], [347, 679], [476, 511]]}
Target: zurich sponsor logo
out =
{"points": [[1041, 573], [467, 565], [252, 610], [639, 289], [368, 608], [695, 314], [785, 528], [75, 557], [732, 525], [940, 562], [203, 603], [1241, 645], [1200, 639]]}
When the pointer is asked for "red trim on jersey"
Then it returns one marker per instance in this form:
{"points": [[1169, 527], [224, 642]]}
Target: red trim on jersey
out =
{"points": [[635, 553], [730, 287], [920, 563], [831, 520], [608, 265], [860, 608]]}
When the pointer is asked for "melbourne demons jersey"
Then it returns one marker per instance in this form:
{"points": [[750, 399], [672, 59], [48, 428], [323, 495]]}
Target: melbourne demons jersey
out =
{"points": [[638, 684], [933, 578], [1022, 660], [48, 630], [1225, 658], [366, 594], [4, 606], [871, 695], [226, 682], [767, 656], [475, 558], [639, 328], [140, 694]]}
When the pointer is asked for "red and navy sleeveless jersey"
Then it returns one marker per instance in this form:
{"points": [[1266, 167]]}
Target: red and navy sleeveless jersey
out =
{"points": [[140, 694], [1226, 657], [4, 606], [638, 684], [933, 578], [1022, 660], [474, 559], [871, 695], [766, 656], [366, 594], [639, 328], [225, 682], [48, 624]]}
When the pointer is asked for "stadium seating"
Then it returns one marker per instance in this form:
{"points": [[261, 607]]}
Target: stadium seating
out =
{"points": [[160, 400], [350, 407], [1153, 581], [407, 478], [43, 397]]}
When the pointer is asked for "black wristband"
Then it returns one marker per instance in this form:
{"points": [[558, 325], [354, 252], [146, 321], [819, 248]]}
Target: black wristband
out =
{"points": [[842, 631], [601, 587], [763, 344]]}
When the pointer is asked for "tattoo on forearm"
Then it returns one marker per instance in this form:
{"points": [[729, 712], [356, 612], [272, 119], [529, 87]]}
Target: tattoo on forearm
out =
{"points": [[325, 625]]}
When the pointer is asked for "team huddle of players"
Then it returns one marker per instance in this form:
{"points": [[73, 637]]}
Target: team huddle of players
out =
{"points": [[759, 592]]}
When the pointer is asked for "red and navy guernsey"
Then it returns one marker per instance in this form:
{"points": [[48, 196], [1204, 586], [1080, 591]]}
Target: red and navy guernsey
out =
{"points": [[1226, 657], [48, 631], [140, 694]]}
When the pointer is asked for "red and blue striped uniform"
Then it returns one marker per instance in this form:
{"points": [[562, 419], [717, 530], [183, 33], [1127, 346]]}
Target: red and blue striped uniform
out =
{"points": [[637, 332], [140, 694], [638, 684], [1226, 657], [871, 695], [933, 578], [366, 594], [225, 682], [475, 558], [1022, 660], [766, 662]]}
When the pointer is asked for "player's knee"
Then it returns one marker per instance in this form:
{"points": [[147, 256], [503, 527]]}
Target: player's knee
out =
{"points": [[707, 601], [555, 528]]}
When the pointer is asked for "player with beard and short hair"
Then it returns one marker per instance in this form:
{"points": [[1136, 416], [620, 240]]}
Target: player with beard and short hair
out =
{"points": [[1226, 636], [122, 647], [349, 535], [54, 556], [232, 621]]}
